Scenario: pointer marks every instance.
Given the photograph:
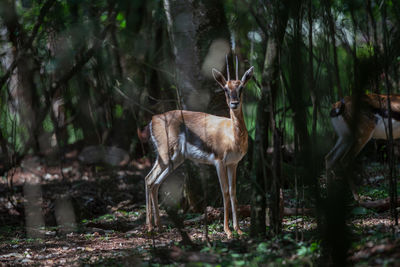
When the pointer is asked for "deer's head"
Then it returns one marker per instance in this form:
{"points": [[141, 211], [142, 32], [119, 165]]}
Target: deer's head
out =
{"points": [[233, 88]]}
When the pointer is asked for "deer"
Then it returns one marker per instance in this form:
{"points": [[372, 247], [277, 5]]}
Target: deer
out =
{"points": [[203, 138], [355, 130]]}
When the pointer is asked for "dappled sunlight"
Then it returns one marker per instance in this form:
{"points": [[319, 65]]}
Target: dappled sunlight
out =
{"points": [[215, 57], [221, 117]]}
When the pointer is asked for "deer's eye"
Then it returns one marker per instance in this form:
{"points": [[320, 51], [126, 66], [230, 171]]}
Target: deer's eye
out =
{"points": [[240, 90]]}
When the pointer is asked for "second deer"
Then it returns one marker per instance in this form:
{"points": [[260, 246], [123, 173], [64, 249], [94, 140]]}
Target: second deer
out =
{"points": [[354, 130], [180, 134]]}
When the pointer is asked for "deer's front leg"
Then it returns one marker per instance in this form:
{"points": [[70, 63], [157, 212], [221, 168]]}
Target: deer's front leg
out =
{"points": [[223, 182], [149, 223], [232, 193]]}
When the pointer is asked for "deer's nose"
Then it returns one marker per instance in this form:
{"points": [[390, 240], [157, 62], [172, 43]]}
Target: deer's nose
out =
{"points": [[234, 104]]}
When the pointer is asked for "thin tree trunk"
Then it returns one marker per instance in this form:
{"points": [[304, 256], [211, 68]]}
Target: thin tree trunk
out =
{"points": [[22, 85], [265, 120], [332, 35], [375, 44], [392, 176], [311, 71]]}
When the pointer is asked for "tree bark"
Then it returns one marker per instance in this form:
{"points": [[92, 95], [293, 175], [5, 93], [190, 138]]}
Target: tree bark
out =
{"points": [[197, 29], [199, 40], [22, 86]]}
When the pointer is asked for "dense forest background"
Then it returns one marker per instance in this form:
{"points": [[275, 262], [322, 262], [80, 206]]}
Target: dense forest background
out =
{"points": [[80, 81]]}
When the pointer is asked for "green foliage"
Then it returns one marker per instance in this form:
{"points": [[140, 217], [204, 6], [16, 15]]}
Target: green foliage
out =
{"points": [[118, 111], [13, 131], [74, 135], [106, 217], [266, 252], [142, 45], [215, 227], [306, 250], [250, 114], [48, 124], [377, 192], [91, 47], [121, 20], [360, 211]]}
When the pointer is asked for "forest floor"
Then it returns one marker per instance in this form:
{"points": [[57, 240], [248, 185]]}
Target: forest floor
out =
{"points": [[96, 216]]}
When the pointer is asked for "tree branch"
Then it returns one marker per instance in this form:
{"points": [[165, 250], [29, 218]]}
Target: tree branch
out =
{"points": [[80, 61], [43, 11]]}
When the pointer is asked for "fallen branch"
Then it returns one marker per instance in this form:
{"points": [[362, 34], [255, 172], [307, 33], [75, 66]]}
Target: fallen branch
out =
{"points": [[389, 249], [379, 205]]}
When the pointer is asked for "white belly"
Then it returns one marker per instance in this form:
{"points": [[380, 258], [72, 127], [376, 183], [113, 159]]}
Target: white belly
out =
{"points": [[198, 155], [195, 152], [381, 129], [340, 126]]}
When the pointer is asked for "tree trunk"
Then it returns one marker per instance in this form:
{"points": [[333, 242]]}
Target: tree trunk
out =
{"points": [[332, 36], [266, 119], [197, 30], [199, 38], [22, 86]]}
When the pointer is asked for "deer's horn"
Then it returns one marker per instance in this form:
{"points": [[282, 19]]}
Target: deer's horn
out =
{"points": [[227, 68], [237, 68]]}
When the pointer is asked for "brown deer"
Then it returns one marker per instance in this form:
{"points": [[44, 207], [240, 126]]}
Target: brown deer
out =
{"points": [[371, 122], [180, 134]]}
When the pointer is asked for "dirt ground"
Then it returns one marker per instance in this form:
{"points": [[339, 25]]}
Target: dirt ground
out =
{"points": [[95, 215], [108, 210]]}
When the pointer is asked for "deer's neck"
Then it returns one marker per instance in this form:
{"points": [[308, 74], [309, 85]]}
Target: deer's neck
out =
{"points": [[239, 128]]}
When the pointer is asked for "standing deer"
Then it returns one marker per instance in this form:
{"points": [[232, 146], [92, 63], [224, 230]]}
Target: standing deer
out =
{"points": [[371, 122], [180, 134]]}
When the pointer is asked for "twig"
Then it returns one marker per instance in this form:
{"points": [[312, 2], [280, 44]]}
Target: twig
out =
{"points": [[262, 24], [133, 101]]}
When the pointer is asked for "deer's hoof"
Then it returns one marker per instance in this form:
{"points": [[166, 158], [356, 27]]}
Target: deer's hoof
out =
{"points": [[240, 232], [149, 227], [228, 234]]}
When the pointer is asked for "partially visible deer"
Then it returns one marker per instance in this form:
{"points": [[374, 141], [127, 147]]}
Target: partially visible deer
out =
{"points": [[371, 122], [204, 138]]}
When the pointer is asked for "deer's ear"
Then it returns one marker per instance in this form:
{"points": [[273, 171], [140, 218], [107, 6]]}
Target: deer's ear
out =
{"points": [[219, 77], [247, 76]]}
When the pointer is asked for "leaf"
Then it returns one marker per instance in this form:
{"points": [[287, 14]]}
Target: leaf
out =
{"points": [[118, 111], [262, 247], [314, 246], [103, 17], [122, 25], [360, 211], [302, 251], [239, 263], [120, 17]]}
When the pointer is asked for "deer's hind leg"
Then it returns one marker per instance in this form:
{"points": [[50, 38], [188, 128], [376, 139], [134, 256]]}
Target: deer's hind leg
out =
{"points": [[342, 147], [363, 136], [348, 147], [149, 184], [174, 163]]}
